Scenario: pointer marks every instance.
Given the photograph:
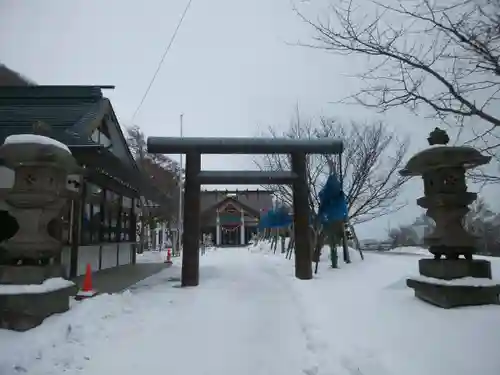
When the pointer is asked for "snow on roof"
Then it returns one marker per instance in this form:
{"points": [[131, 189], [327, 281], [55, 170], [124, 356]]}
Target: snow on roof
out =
{"points": [[34, 138], [48, 285]]}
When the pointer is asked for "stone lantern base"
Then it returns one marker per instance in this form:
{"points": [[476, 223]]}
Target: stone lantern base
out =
{"points": [[21, 310], [449, 283]]}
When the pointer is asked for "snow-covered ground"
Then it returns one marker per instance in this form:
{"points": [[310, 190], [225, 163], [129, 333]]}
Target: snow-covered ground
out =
{"points": [[414, 250], [151, 257], [251, 316]]}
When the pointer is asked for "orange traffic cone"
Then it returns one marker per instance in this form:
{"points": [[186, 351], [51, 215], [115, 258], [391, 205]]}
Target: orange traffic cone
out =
{"points": [[87, 291], [169, 256]]}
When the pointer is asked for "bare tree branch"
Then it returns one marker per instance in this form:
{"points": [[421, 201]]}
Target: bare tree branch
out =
{"points": [[160, 169], [440, 54], [371, 159]]}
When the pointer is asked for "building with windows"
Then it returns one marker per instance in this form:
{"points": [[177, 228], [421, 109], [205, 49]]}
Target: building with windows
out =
{"points": [[232, 217], [99, 224]]}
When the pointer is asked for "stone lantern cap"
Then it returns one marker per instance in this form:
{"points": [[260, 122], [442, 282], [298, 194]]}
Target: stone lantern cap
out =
{"points": [[439, 156], [26, 149]]}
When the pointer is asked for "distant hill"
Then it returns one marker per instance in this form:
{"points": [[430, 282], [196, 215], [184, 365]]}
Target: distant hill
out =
{"points": [[9, 77]]}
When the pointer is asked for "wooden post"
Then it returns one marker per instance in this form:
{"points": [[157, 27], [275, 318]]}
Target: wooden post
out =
{"points": [[303, 253], [191, 224], [356, 241], [345, 246], [76, 228]]}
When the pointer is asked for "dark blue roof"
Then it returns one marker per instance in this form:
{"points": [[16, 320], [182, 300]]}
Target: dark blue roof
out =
{"points": [[64, 108]]}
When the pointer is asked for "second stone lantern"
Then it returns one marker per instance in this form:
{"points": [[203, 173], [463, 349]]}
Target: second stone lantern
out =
{"points": [[453, 278]]}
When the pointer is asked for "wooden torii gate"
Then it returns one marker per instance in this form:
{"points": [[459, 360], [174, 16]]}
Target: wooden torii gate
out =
{"points": [[193, 148]]}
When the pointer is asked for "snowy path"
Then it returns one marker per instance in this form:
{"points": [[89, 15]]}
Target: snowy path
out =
{"points": [[242, 319], [243, 325]]}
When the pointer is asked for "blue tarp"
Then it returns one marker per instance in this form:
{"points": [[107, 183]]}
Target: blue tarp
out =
{"points": [[332, 202], [332, 207], [275, 219]]}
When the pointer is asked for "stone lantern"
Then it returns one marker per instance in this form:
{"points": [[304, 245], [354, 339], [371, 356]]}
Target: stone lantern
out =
{"points": [[453, 278], [32, 285]]}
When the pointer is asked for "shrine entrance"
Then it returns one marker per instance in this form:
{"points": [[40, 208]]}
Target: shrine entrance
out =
{"points": [[230, 235], [193, 148]]}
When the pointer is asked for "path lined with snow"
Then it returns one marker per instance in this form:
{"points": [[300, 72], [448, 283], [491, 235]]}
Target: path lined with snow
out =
{"points": [[251, 316], [240, 320]]}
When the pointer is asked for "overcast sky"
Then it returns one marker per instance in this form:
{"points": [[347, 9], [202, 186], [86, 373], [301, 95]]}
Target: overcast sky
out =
{"points": [[233, 69]]}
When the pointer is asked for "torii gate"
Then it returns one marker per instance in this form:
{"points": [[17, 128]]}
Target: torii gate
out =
{"points": [[193, 148]]}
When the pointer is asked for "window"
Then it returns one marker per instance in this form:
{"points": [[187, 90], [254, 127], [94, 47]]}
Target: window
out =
{"points": [[111, 222], [91, 220], [101, 135], [126, 222], [96, 217], [107, 217]]}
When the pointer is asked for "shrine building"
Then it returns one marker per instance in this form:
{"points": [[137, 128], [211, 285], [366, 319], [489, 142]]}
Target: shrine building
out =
{"points": [[232, 217]]}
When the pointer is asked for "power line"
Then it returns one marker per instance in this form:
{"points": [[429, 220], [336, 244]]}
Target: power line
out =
{"points": [[162, 59]]}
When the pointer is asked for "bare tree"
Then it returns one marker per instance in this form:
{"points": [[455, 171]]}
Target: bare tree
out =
{"points": [[160, 169], [403, 236], [371, 159], [482, 222], [9, 77], [440, 54], [137, 143]]}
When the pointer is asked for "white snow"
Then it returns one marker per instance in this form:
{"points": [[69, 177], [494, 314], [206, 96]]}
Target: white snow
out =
{"points": [[463, 281], [86, 293], [48, 285], [34, 138], [411, 250], [249, 315], [152, 257]]}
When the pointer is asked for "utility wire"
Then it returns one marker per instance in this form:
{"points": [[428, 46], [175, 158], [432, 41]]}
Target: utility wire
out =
{"points": [[162, 59]]}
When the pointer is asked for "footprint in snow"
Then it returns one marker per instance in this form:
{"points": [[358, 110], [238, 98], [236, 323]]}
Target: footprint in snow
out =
{"points": [[311, 371]]}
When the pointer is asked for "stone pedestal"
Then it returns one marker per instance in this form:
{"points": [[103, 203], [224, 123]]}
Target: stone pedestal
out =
{"points": [[21, 312], [443, 283], [28, 275], [457, 279], [450, 269], [28, 291]]}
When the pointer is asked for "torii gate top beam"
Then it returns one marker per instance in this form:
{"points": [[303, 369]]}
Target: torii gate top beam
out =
{"points": [[213, 145]]}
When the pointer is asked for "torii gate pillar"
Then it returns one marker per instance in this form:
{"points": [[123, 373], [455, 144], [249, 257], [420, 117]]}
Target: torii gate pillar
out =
{"points": [[301, 214]]}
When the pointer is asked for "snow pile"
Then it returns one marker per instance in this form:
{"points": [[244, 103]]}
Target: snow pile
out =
{"points": [[34, 138], [365, 318], [59, 344], [463, 281], [414, 250], [261, 247], [264, 247], [152, 257], [48, 285]]}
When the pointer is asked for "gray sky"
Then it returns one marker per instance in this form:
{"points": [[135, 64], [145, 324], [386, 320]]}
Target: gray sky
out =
{"points": [[231, 70]]}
